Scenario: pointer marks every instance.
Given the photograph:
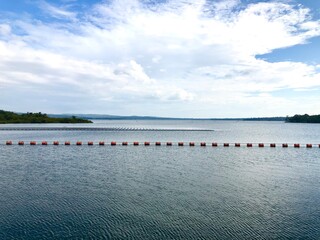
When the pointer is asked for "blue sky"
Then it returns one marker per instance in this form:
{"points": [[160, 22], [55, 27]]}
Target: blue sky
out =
{"points": [[174, 58]]}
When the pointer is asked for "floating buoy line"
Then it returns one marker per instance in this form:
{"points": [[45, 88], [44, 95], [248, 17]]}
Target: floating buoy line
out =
{"points": [[180, 144], [101, 129]]}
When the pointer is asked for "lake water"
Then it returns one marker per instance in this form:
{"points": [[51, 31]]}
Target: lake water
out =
{"points": [[150, 192]]}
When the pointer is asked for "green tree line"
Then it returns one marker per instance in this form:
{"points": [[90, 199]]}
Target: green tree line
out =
{"points": [[11, 117], [304, 119]]}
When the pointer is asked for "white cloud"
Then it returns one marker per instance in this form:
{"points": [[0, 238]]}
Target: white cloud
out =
{"points": [[177, 54]]}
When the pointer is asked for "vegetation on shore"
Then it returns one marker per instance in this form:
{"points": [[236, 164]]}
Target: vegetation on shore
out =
{"points": [[11, 117], [303, 119]]}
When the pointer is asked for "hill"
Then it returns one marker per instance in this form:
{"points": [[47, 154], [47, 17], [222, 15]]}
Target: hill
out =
{"points": [[304, 119], [11, 117]]}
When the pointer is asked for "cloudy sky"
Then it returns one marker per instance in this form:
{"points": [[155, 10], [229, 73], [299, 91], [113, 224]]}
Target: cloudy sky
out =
{"points": [[173, 58]]}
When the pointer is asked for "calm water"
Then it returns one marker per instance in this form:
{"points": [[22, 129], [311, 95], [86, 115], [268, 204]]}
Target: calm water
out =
{"points": [[127, 192]]}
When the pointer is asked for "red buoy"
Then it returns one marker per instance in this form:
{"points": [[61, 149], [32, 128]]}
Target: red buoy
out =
{"points": [[113, 143], [33, 143], [44, 143], [261, 145], [296, 145], [135, 143], [169, 143], [158, 143], [309, 145], [101, 143], [67, 143], [226, 144], [21, 143], [123, 144], [214, 144], [191, 144], [285, 145], [79, 143], [272, 145], [249, 144], [56, 143], [180, 144], [147, 143], [203, 144], [90, 143], [8, 142], [237, 144]]}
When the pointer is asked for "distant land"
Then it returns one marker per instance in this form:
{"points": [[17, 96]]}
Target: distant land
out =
{"points": [[115, 117], [11, 117], [304, 119]]}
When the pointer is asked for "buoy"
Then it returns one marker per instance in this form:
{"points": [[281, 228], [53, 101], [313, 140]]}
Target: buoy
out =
{"points": [[123, 144], [296, 145], [237, 144], [8, 142], [158, 143], [272, 145], [309, 145], [249, 144], [56, 143], [147, 143], [90, 143], [21, 143], [135, 143], [113, 143], [101, 143], [67, 143], [214, 144], [79, 143], [203, 144], [191, 144], [261, 145], [180, 144], [44, 143], [33, 143], [169, 143], [226, 144], [285, 145]]}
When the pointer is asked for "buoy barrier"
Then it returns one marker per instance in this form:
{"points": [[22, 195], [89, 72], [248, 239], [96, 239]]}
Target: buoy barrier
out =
{"points": [[191, 144]]}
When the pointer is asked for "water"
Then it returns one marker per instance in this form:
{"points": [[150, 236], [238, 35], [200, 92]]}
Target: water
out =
{"points": [[104, 192]]}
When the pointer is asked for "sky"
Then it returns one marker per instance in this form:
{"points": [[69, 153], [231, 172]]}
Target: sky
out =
{"points": [[169, 58]]}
